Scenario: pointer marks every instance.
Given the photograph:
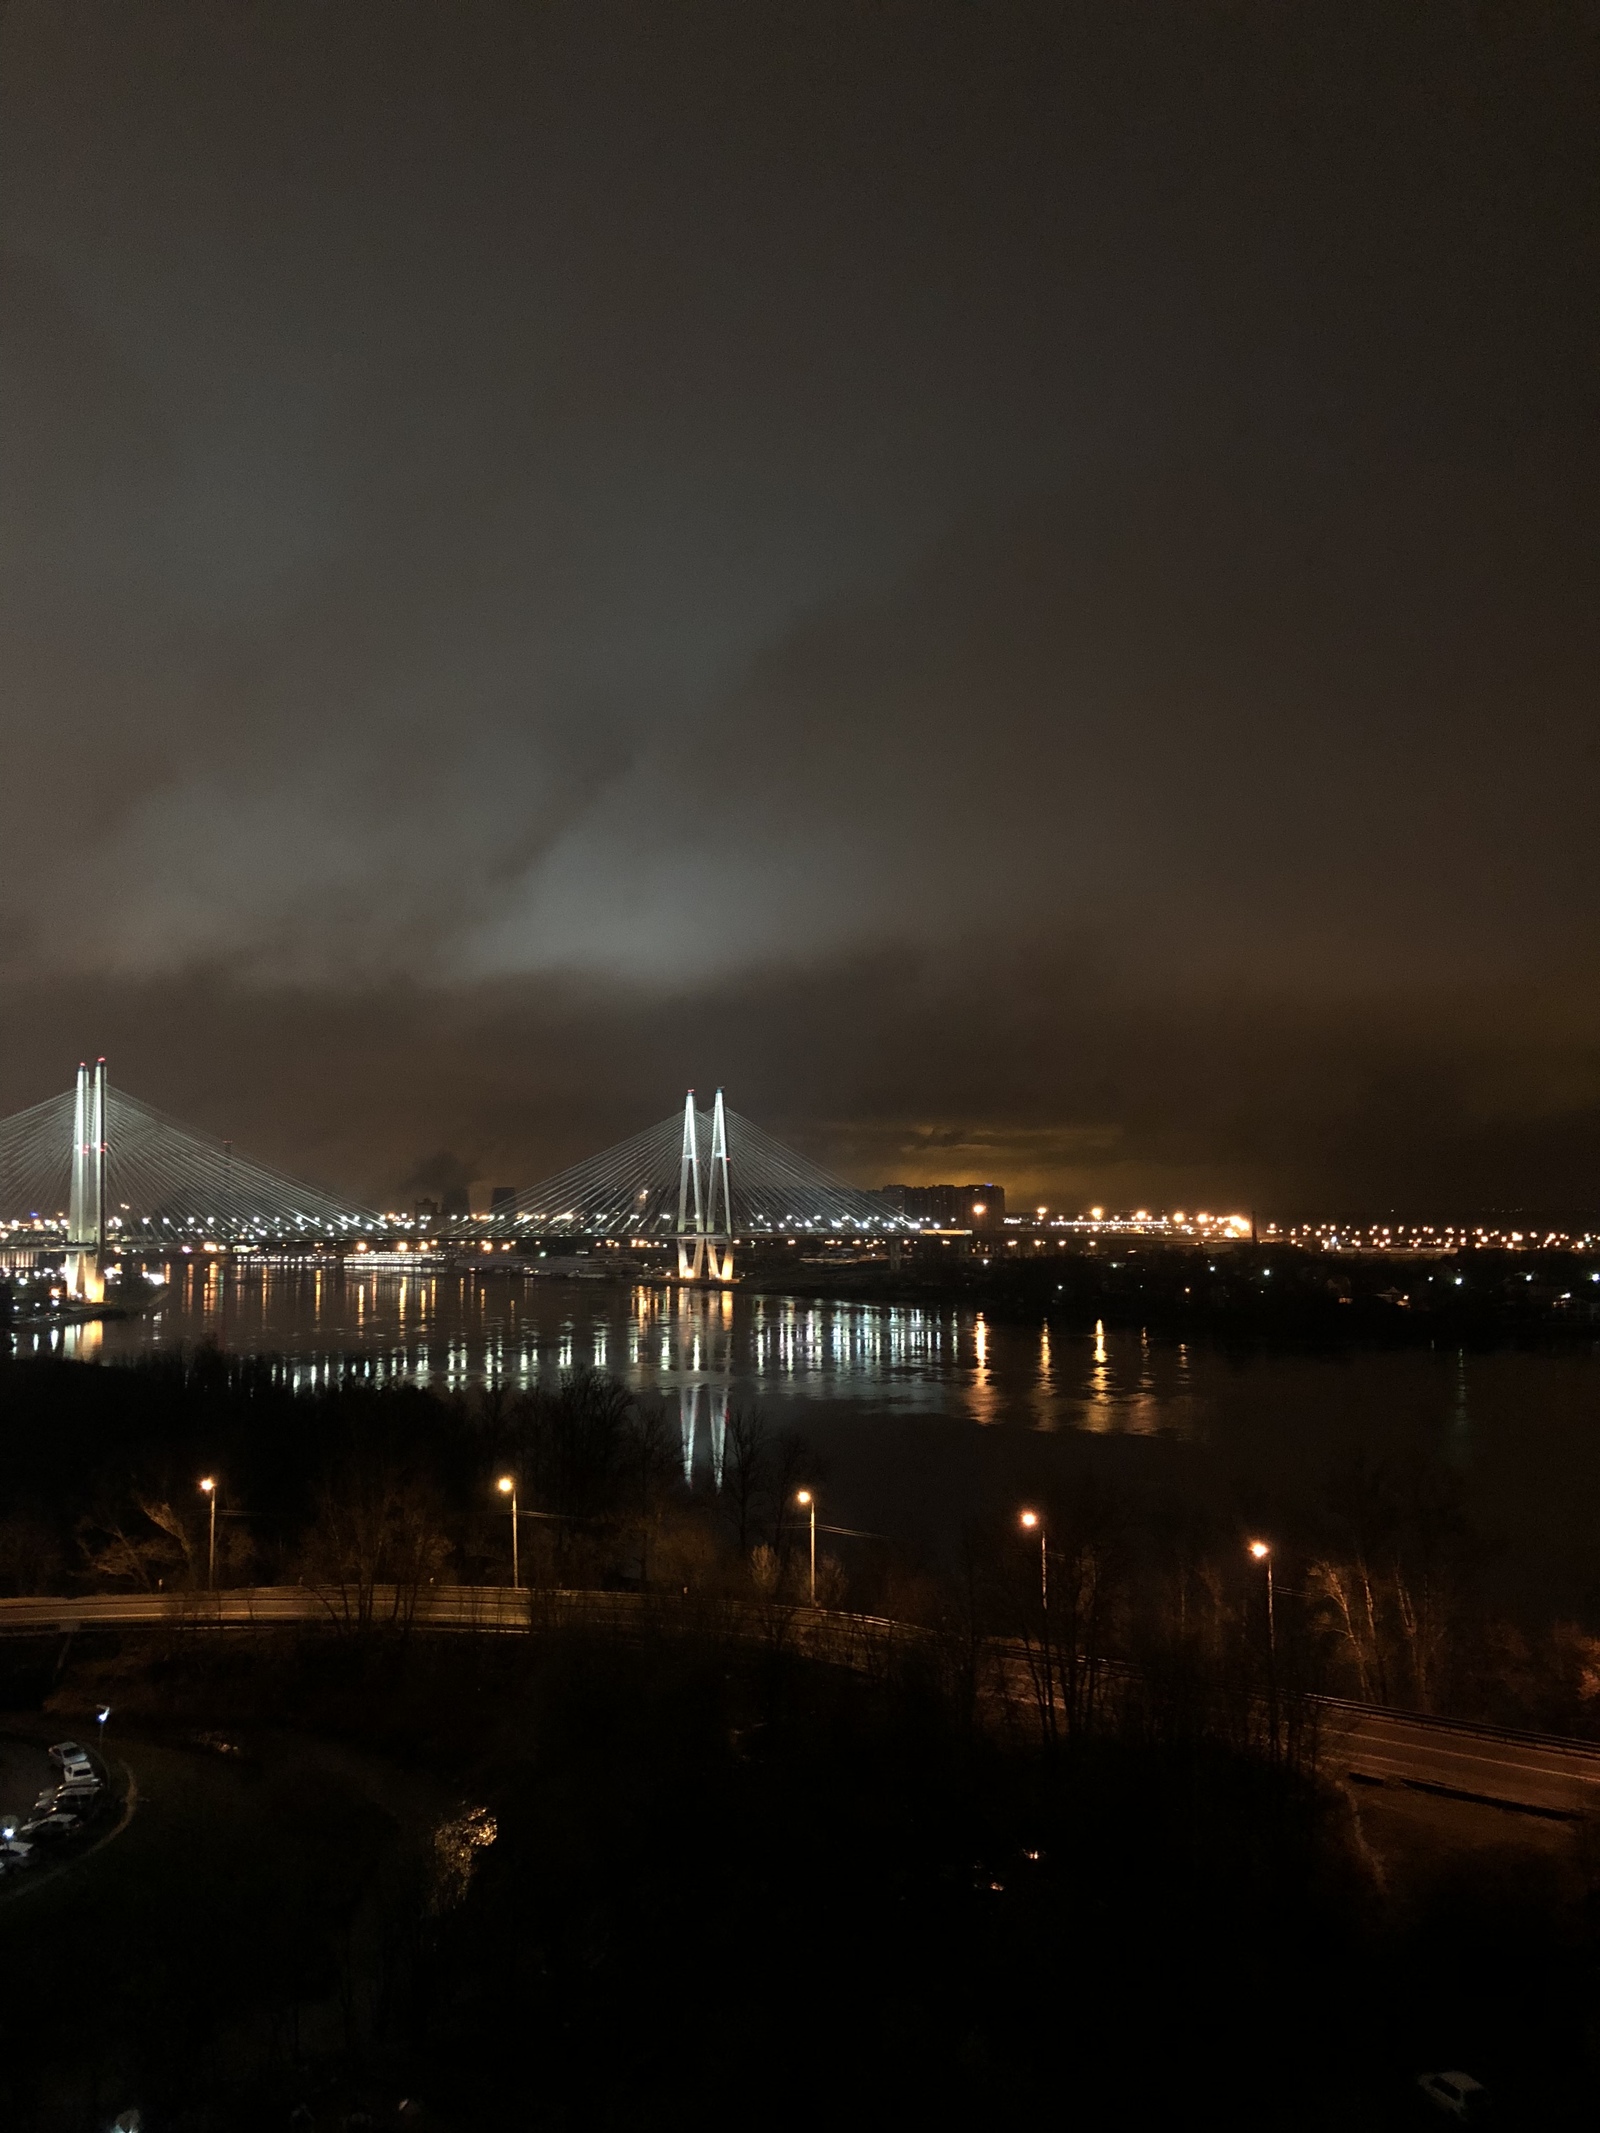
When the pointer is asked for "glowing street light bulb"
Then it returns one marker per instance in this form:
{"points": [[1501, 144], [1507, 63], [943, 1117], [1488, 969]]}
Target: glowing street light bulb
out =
{"points": [[1259, 1550], [505, 1484], [1030, 1519]]}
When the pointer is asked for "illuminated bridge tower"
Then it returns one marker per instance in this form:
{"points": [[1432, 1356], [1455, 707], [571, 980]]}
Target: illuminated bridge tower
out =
{"points": [[86, 1205], [705, 1251]]}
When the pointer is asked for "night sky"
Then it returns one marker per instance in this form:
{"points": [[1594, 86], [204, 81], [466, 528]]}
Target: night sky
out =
{"points": [[1017, 585]]}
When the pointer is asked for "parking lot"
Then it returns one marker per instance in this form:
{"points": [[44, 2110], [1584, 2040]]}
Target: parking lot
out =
{"points": [[41, 1823]]}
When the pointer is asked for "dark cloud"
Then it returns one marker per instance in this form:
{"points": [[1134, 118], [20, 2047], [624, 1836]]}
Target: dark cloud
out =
{"points": [[1016, 585]]}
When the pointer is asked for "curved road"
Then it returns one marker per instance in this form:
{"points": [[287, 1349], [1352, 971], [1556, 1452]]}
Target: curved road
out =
{"points": [[1536, 1773]]}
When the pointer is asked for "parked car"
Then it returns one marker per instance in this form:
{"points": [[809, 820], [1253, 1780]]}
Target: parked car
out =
{"points": [[16, 1849], [82, 1799], [1456, 2093], [71, 1758], [52, 1828]]}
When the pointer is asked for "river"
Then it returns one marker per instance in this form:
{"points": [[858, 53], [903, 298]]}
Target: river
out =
{"points": [[923, 1413]]}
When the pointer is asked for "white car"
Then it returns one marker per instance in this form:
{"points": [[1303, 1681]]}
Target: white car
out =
{"points": [[73, 1760], [1456, 2093]]}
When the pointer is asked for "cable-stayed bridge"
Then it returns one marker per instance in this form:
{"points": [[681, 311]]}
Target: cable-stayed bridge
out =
{"points": [[100, 1171], [700, 1179], [117, 1173]]}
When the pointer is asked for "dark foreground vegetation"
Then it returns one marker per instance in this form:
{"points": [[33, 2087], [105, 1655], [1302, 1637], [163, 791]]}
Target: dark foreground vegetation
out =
{"points": [[683, 1877], [680, 1865]]}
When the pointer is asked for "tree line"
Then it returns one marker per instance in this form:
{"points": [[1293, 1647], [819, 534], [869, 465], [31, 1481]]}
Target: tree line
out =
{"points": [[370, 1493]]}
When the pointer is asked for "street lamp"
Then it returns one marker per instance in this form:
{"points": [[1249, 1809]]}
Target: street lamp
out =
{"points": [[508, 1487], [102, 1711], [209, 1488], [1029, 1521], [1262, 1553], [809, 1503], [1033, 1522]]}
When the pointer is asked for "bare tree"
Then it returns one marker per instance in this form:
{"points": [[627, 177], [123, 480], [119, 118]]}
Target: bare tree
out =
{"points": [[1387, 1593], [147, 1542], [747, 1462], [375, 1541], [1065, 1591]]}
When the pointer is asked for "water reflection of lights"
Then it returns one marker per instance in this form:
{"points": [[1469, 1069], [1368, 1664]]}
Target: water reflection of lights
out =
{"points": [[452, 1331], [82, 1343]]}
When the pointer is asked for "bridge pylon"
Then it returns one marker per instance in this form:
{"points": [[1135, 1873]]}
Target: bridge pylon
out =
{"points": [[705, 1251], [86, 1204]]}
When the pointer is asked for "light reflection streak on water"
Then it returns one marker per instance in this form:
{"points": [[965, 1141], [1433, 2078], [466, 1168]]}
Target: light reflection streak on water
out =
{"points": [[1458, 1443], [986, 1404], [455, 1330]]}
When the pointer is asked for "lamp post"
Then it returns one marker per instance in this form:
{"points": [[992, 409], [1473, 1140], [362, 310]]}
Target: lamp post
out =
{"points": [[1262, 1552], [508, 1487], [808, 1502], [1033, 1522], [209, 1488], [1029, 1521]]}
